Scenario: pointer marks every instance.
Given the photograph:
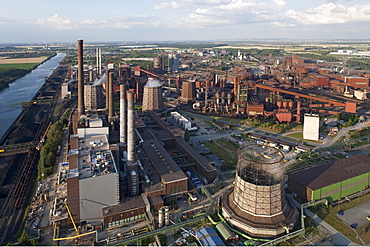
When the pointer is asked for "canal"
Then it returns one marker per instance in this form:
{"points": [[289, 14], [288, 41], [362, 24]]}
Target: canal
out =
{"points": [[23, 89]]}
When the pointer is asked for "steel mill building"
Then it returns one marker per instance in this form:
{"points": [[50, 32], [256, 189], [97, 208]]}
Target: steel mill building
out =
{"points": [[332, 181]]}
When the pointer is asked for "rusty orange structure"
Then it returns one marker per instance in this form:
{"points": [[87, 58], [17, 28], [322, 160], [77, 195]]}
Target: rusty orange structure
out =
{"points": [[349, 106]]}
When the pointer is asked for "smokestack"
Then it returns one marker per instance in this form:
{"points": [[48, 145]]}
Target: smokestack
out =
{"points": [[130, 127], [99, 61], [91, 75], [107, 90], [111, 98], [298, 117], [81, 106], [122, 109]]}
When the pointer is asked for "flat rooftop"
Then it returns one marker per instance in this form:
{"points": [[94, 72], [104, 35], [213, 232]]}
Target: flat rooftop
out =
{"points": [[94, 157], [166, 167]]}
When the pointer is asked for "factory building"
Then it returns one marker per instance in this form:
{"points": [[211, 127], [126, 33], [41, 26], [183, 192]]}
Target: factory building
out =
{"points": [[152, 97], [173, 139], [257, 203], [130, 211], [93, 94], [332, 181], [173, 181], [209, 237], [173, 62], [92, 176], [187, 91]]}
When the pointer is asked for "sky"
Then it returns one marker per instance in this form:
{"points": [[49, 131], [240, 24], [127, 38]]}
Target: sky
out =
{"points": [[30, 21]]}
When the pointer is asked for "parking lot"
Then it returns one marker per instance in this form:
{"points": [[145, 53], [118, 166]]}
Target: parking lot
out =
{"points": [[356, 216]]}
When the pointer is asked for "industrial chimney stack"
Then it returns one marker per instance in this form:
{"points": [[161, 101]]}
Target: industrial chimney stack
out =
{"points": [[98, 61], [107, 90], [81, 106], [111, 98], [130, 128], [122, 122]]}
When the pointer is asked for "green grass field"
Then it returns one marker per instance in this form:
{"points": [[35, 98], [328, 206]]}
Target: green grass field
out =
{"points": [[226, 150], [18, 65], [298, 135]]}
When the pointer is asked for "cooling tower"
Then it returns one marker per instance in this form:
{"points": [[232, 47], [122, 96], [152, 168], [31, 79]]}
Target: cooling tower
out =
{"points": [[257, 203], [152, 97]]}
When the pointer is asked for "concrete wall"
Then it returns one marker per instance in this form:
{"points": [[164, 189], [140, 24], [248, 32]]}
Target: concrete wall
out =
{"points": [[311, 127], [96, 193]]}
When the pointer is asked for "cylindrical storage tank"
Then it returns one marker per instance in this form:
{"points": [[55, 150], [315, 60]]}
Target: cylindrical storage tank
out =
{"points": [[167, 216], [217, 96], [160, 218], [290, 104], [259, 181], [134, 182], [223, 97], [229, 97], [225, 233], [157, 63], [285, 104], [279, 104]]}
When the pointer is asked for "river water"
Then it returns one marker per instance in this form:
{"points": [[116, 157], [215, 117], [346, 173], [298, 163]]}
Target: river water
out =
{"points": [[23, 89]]}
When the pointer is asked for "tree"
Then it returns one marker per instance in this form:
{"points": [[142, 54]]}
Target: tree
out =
{"points": [[24, 239], [35, 242]]}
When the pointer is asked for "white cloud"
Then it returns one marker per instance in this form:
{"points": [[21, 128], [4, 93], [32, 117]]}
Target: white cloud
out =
{"points": [[331, 13], [282, 24], [56, 22], [230, 12], [171, 5], [122, 22]]}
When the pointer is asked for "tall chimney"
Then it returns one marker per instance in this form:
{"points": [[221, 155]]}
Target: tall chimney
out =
{"points": [[107, 90], [111, 98], [91, 75], [130, 127], [99, 61], [122, 110], [81, 106]]}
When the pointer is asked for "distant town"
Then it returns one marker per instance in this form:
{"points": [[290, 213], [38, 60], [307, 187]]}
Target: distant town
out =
{"points": [[187, 143]]}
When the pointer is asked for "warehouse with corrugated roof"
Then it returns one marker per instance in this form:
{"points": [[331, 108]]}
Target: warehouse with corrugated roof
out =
{"points": [[333, 181]]}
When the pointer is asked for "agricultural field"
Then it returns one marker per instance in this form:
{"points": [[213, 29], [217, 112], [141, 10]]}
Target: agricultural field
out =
{"points": [[34, 60], [26, 66]]}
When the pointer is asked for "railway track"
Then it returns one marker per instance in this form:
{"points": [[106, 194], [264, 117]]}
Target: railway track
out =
{"points": [[13, 209]]}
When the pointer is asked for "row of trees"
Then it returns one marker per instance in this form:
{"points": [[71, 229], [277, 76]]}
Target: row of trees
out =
{"points": [[281, 127], [49, 150], [8, 75], [360, 64], [350, 119]]}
